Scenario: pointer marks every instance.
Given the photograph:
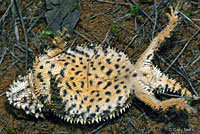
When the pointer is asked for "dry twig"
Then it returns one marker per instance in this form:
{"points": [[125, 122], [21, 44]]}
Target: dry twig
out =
{"points": [[187, 43], [145, 14], [6, 13], [110, 2], [24, 32], [78, 33]]}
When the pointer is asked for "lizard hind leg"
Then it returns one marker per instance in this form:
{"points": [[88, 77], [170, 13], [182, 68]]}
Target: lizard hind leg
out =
{"points": [[154, 103], [148, 54]]}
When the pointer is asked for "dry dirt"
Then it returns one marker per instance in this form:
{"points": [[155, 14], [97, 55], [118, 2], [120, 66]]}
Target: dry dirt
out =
{"points": [[106, 22]]}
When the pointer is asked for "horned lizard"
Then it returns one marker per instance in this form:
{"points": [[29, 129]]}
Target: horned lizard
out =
{"points": [[90, 84]]}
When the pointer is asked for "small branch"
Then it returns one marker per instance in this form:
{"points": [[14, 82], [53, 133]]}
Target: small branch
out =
{"points": [[105, 39], [98, 128], [190, 20], [15, 23], [78, 33], [24, 32], [6, 13], [2, 94], [182, 50], [132, 124], [110, 2], [186, 77], [106, 11], [94, 36], [75, 39], [156, 17], [38, 18], [195, 61], [165, 62], [3, 55], [10, 66], [145, 14], [130, 42], [141, 28], [2, 126], [23, 50]]}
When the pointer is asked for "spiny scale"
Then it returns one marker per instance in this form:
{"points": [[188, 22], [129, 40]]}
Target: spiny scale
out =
{"points": [[97, 119], [90, 84]]}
